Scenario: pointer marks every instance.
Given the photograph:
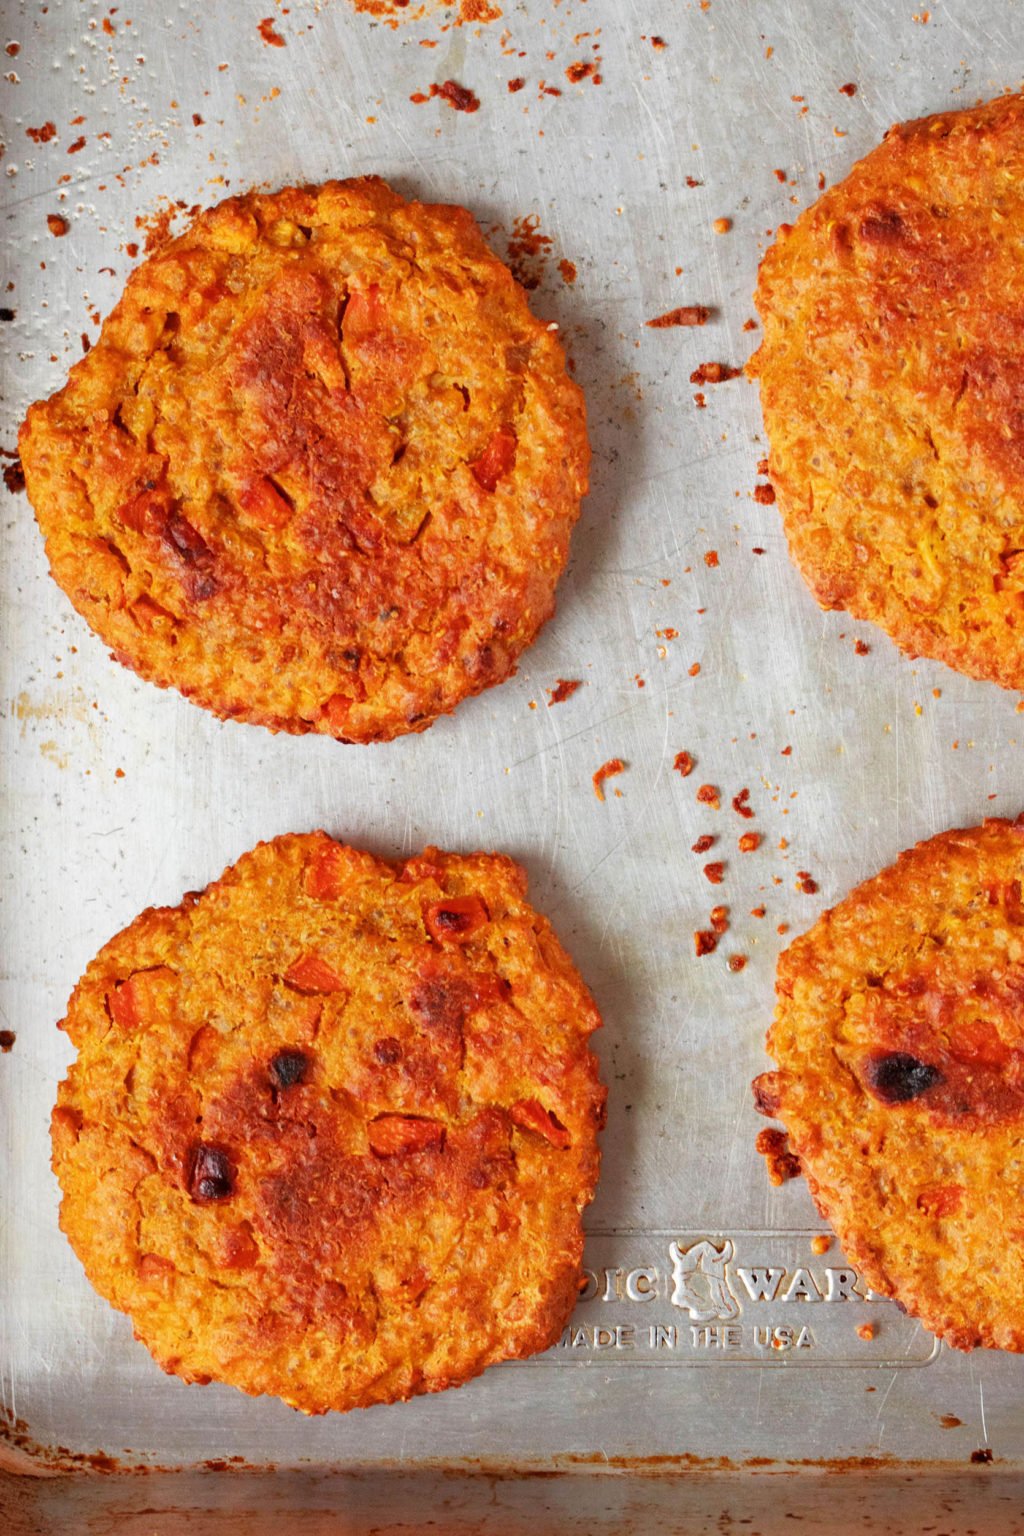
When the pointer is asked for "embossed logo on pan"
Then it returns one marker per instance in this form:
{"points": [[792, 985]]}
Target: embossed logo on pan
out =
{"points": [[749, 1297]]}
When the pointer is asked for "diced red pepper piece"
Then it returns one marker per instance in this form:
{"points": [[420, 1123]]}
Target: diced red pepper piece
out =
{"points": [[133, 1002], [364, 313], [391, 1135], [337, 710], [496, 460], [264, 503], [455, 920], [312, 974], [323, 877], [531, 1115], [940, 1199], [123, 1005]]}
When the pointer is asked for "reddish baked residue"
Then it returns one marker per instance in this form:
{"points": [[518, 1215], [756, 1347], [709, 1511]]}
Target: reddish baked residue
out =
{"points": [[686, 314], [749, 842], [42, 135], [458, 97], [741, 805], [714, 873], [703, 843], [704, 942], [683, 764], [708, 795], [764, 495], [780, 1163], [77, 145], [564, 689], [736, 962], [849, 89], [156, 227], [607, 770], [266, 30], [528, 250], [805, 883], [57, 225], [516, 84], [14, 476], [583, 70], [567, 270], [719, 919], [7, 1039], [711, 558], [861, 648], [714, 373]]}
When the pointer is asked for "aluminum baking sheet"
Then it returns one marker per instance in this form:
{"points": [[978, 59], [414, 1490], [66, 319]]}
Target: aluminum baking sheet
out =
{"points": [[711, 1326]]}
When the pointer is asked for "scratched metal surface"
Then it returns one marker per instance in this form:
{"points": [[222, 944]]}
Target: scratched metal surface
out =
{"points": [[884, 751]]}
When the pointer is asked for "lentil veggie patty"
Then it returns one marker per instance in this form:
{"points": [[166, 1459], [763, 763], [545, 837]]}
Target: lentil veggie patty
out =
{"points": [[899, 1038], [892, 376], [320, 469], [332, 1124]]}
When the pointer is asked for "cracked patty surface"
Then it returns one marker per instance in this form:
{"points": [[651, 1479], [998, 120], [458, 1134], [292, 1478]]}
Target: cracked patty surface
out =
{"points": [[320, 469], [892, 376], [899, 1039], [332, 1124]]}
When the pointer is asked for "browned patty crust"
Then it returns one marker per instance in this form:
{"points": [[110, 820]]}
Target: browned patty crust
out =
{"points": [[332, 1124], [892, 384], [320, 469], [899, 1038]]}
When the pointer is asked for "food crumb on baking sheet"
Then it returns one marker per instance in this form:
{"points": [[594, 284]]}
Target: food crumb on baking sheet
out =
{"points": [[527, 250], [781, 1164], [607, 770], [564, 689], [459, 97], [714, 373], [14, 476], [821, 1242], [866, 1331], [269, 34], [57, 225], [685, 315], [7, 1039]]}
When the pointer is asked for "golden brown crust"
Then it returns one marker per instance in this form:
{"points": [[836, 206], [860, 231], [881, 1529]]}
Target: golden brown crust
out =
{"points": [[320, 469], [899, 1038], [892, 371], [332, 1124]]}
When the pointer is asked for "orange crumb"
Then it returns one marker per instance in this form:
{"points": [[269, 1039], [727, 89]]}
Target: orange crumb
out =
{"points": [[607, 770]]}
